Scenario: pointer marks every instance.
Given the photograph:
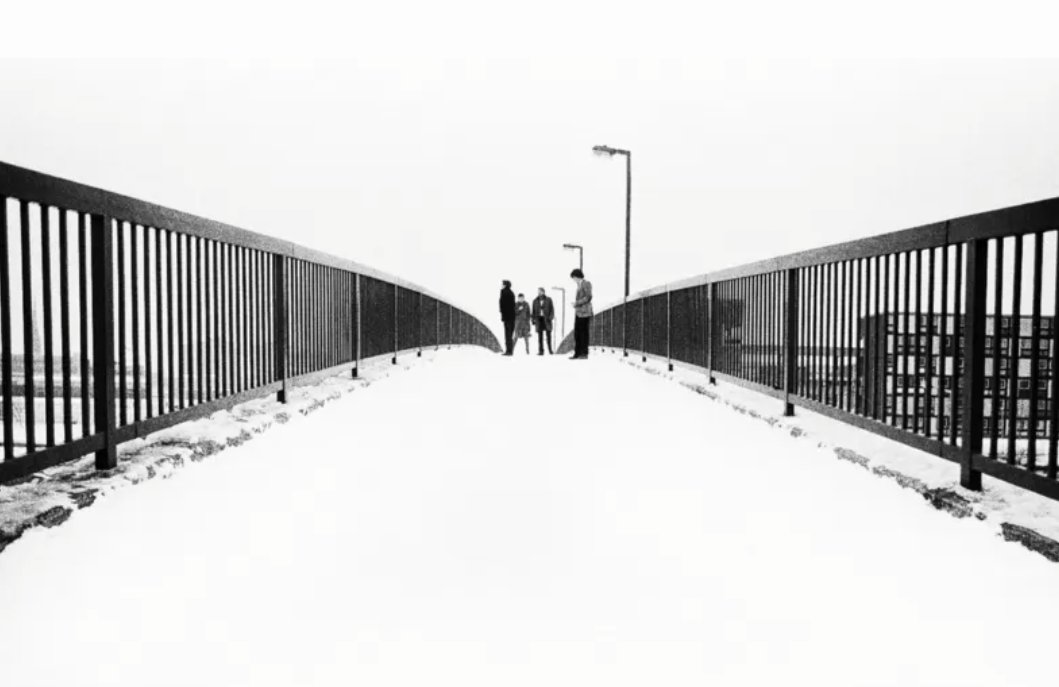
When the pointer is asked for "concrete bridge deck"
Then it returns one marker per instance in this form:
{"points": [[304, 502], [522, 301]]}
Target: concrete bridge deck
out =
{"points": [[480, 520]]}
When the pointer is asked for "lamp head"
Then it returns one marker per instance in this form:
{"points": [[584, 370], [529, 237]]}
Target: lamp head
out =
{"points": [[602, 150]]}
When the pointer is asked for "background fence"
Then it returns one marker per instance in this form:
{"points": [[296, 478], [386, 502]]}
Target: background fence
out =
{"points": [[119, 318], [943, 337]]}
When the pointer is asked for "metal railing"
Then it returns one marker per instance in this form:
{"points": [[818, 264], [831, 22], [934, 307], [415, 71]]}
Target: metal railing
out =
{"points": [[943, 337], [119, 318]]}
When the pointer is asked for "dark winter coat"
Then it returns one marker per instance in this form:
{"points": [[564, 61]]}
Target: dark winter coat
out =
{"points": [[543, 309], [507, 304]]}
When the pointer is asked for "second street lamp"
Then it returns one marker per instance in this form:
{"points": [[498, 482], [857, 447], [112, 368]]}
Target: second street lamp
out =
{"points": [[562, 331], [580, 254], [607, 150]]}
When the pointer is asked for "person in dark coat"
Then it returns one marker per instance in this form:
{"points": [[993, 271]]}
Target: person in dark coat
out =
{"points": [[582, 314], [522, 321], [543, 314], [507, 314]]}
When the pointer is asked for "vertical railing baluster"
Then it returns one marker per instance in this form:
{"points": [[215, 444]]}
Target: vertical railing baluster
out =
{"points": [[200, 335], [279, 323], [83, 320], [643, 318], [28, 367], [6, 385], [873, 331], [49, 349], [148, 368], [134, 255], [790, 336], [958, 325], [169, 391], [231, 381], [860, 352], [357, 300], [1035, 353], [160, 241], [943, 354], [215, 304], [929, 407], [917, 357], [64, 322], [242, 322], [889, 326], [181, 343], [998, 309], [669, 329], [262, 319], [1013, 352]]}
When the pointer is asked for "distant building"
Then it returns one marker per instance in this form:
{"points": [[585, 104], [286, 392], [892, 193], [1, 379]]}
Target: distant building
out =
{"points": [[916, 380]]}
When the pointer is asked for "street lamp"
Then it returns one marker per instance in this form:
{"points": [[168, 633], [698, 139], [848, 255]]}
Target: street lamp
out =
{"points": [[580, 253], [607, 150], [562, 331]]}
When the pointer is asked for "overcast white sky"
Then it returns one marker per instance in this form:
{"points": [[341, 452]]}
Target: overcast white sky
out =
{"points": [[452, 145]]}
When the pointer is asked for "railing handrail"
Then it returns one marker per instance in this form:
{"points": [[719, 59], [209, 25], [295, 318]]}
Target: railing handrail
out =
{"points": [[1014, 220], [45, 189]]}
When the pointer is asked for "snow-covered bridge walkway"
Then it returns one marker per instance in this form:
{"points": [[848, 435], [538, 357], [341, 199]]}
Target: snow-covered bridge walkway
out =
{"points": [[479, 520]]}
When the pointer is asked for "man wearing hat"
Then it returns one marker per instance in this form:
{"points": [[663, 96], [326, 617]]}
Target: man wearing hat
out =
{"points": [[582, 314]]}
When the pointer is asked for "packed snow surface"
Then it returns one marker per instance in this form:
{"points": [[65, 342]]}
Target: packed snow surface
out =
{"points": [[481, 520]]}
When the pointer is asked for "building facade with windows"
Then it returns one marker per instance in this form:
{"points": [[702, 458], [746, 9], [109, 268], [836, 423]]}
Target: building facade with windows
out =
{"points": [[913, 364]]}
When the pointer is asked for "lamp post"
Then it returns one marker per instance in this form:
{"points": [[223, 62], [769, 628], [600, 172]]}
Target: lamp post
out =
{"points": [[607, 150], [562, 331], [580, 254]]}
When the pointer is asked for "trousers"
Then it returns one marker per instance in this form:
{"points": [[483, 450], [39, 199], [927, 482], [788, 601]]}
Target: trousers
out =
{"points": [[581, 335], [543, 334], [509, 336]]}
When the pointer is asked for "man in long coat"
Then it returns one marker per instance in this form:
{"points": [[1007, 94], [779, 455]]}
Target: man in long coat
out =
{"points": [[543, 315], [507, 314]]}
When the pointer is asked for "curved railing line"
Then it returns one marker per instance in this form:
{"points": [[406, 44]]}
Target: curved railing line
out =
{"points": [[44, 189], [136, 317], [837, 330]]}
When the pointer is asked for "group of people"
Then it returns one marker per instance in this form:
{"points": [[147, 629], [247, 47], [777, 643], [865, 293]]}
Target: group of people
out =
{"points": [[519, 317]]}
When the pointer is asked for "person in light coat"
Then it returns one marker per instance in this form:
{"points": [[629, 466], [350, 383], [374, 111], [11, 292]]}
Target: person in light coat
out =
{"points": [[582, 314], [522, 321]]}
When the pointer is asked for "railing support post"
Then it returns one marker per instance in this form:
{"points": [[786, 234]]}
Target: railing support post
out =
{"points": [[643, 316], [103, 339], [625, 326], [669, 330], [396, 324], [357, 303], [974, 365], [711, 310], [279, 323], [790, 342]]}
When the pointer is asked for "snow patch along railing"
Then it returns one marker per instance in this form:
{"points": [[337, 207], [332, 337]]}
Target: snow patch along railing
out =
{"points": [[125, 317], [942, 337]]}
